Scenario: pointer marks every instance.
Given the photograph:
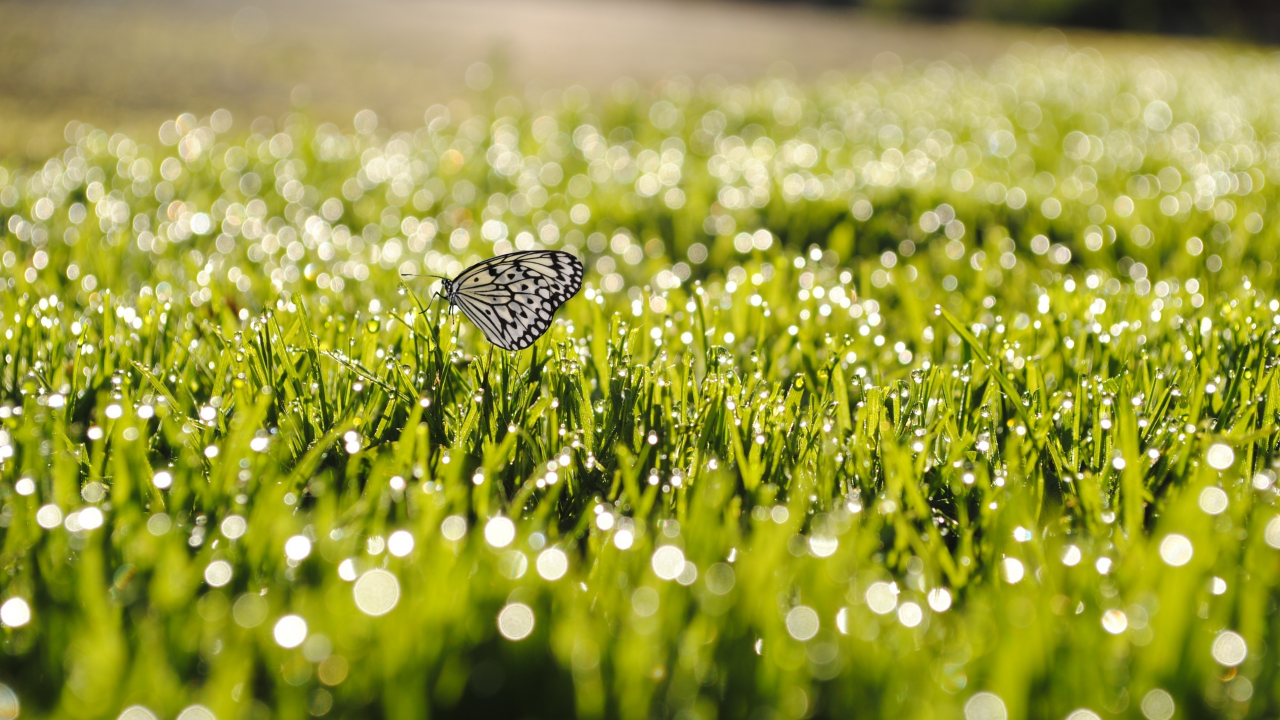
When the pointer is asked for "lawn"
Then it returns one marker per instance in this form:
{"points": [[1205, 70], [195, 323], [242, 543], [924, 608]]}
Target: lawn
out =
{"points": [[936, 392]]}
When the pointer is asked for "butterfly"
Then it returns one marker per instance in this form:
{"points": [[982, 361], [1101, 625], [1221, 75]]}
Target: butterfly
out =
{"points": [[512, 297]]}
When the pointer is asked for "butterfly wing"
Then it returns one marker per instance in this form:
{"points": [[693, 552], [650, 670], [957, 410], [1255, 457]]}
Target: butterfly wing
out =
{"points": [[513, 297]]}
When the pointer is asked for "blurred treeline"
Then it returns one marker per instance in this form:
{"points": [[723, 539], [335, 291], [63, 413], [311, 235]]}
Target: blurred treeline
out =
{"points": [[1256, 20]]}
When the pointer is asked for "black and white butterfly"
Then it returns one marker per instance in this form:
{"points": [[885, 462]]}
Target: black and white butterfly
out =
{"points": [[512, 297]]}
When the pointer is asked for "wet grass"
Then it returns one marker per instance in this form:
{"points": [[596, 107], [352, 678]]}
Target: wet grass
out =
{"points": [[931, 393]]}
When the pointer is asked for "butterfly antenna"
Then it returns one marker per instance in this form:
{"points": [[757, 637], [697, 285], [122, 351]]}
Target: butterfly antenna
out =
{"points": [[413, 275]]}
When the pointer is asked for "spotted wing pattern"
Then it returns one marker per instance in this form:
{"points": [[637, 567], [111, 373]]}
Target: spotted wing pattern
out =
{"points": [[512, 297]]}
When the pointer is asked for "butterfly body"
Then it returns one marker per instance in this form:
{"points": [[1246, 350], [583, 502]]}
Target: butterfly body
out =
{"points": [[513, 297]]}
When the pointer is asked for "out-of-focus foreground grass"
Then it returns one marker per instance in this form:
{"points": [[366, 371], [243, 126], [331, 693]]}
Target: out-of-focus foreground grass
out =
{"points": [[926, 393]]}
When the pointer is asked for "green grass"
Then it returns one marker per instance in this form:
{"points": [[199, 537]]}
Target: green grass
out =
{"points": [[922, 382]]}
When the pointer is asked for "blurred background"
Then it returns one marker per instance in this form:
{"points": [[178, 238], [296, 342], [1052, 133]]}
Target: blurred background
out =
{"points": [[129, 65]]}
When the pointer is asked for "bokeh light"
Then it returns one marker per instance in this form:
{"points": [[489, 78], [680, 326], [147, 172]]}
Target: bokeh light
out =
{"points": [[802, 623], [1115, 621], [1230, 648], [882, 597], [376, 592], [910, 614], [454, 528], [49, 516], [1157, 705], [552, 564], [1176, 550], [196, 712], [218, 573], [516, 621], [290, 631], [1220, 456], [1213, 500], [234, 527], [1272, 532], [400, 543], [136, 712], [500, 531], [15, 612], [720, 578], [10, 708], [668, 562], [297, 548], [985, 706], [1013, 570]]}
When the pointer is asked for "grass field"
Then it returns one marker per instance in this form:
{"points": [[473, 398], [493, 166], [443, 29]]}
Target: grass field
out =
{"points": [[930, 393]]}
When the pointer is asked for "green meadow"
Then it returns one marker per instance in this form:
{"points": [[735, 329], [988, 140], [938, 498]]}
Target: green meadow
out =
{"points": [[934, 392]]}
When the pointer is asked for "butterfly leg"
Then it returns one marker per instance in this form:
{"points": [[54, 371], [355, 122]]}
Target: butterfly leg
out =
{"points": [[432, 304]]}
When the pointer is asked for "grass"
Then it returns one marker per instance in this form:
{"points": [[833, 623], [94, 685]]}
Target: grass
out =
{"points": [[932, 393]]}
